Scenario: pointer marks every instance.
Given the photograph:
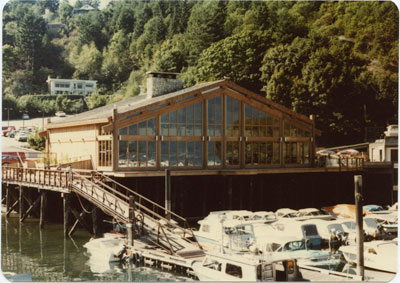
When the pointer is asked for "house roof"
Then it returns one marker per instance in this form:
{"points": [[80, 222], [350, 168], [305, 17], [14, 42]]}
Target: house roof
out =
{"points": [[86, 8], [104, 114]]}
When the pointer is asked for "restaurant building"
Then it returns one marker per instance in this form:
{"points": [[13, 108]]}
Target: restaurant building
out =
{"points": [[225, 146]]}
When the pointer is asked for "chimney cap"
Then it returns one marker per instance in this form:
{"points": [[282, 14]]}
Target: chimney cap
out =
{"points": [[161, 74]]}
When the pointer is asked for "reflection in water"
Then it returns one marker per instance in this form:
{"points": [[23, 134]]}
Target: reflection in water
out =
{"points": [[48, 256]]}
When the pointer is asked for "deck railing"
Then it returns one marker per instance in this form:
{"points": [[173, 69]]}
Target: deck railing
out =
{"points": [[341, 162], [54, 178], [111, 196]]}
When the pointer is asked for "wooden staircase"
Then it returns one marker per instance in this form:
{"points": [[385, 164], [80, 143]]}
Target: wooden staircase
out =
{"points": [[152, 222]]}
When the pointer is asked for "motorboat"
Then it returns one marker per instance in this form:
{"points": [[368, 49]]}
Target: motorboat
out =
{"points": [[387, 222], [215, 227], [295, 247], [109, 248], [343, 210], [312, 213], [305, 230], [331, 232], [266, 216], [379, 255], [228, 266], [286, 213]]}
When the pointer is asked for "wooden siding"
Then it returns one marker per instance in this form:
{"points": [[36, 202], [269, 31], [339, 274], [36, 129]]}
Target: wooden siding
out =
{"points": [[71, 142]]}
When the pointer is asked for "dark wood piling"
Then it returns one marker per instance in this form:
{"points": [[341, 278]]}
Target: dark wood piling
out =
{"points": [[21, 202], [359, 224], [67, 211], [43, 206], [168, 192]]}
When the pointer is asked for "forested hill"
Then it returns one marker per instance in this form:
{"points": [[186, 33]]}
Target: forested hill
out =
{"points": [[337, 60]]}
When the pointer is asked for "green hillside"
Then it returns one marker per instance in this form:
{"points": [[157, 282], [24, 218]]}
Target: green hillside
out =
{"points": [[337, 60]]}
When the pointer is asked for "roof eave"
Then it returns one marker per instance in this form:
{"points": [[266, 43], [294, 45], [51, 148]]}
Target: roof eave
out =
{"points": [[80, 123]]}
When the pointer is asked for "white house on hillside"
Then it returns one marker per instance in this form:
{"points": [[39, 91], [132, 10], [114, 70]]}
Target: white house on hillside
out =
{"points": [[67, 86], [386, 149]]}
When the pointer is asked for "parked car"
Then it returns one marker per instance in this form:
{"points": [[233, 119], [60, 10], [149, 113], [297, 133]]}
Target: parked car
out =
{"points": [[12, 134], [8, 159], [60, 114], [25, 116], [21, 136], [6, 130]]}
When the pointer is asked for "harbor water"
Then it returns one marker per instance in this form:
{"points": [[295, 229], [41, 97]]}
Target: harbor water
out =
{"points": [[46, 255]]}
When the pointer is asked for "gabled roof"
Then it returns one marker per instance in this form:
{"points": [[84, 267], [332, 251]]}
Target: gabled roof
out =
{"points": [[134, 104], [105, 112]]}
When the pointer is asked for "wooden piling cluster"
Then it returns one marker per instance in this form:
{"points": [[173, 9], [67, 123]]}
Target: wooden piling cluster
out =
{"points": [[17, 198]]}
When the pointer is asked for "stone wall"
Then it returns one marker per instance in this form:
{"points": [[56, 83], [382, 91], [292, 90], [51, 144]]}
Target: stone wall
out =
{"points": [[159, 86]]}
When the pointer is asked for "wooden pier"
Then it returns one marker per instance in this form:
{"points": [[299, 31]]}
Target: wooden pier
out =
{"points": [[157, 237]]}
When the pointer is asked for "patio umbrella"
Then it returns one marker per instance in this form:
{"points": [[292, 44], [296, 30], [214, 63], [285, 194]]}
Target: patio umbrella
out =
{"points": [[349, 151], [325, 152]]}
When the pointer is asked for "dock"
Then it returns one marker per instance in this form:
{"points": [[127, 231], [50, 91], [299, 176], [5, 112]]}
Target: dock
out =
{"points": [[157, 237]]}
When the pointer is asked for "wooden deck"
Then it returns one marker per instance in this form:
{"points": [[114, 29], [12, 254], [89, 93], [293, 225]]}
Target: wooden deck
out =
{"points": [[256, 171], [115, 199]]}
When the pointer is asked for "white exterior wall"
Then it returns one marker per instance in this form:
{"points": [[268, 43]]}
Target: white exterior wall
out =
{"points": [[87, 86], [74, 142], [374, 149]]}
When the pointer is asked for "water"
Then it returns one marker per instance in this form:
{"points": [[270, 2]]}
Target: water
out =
{"points": [[45, 255]]}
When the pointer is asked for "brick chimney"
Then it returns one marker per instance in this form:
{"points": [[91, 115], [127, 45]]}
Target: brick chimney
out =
{"points": [[159, 83]]}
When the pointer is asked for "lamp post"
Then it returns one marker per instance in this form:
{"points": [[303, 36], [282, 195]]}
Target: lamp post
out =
{"points": [[42, 119], [23, 119], [8, 116]]}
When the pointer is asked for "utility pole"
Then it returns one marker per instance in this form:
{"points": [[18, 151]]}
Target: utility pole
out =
{"points": [[359, 225], [8, 116]]}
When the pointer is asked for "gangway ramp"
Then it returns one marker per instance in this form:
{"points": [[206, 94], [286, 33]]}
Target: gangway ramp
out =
{"points": [[152, 222]]}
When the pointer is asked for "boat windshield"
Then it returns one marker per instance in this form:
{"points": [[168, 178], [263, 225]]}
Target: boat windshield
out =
{"points": [[350, 225], [336, 227], [310, 230], [294, 246], [370, 222]]}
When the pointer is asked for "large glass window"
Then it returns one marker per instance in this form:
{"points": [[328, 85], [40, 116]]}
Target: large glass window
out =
{"points": [[144, 128], [214, 115], [290, 153], [181, 153], [232, 153], [232, 117], [260, 124], [214, 155], [138, 153], [186, 121], [262, 153]]}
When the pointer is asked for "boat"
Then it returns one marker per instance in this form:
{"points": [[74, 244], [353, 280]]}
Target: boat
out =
{"points": [[379, 255], [313, 213], [286, 213], [295, 247], [215, 227], [267, 216], [305, 230], [231, 266], [343, 210], [332, 233], [109, 248], [387, 222]]}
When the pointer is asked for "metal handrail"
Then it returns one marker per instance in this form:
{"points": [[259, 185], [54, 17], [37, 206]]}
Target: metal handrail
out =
{"points": [[143, 198]]}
